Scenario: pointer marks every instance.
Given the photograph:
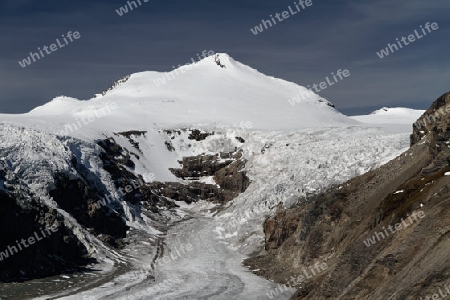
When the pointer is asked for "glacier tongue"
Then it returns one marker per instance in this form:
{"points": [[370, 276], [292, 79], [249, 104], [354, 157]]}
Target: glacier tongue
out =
{"points": [[285, 167]]}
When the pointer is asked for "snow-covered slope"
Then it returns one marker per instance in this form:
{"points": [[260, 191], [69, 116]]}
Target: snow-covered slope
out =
{"points": [[202, 92], [391, 120], [199, 95], [393, 115]]}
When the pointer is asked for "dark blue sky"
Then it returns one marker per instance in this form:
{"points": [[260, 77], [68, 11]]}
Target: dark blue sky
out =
{"points": [[307, 47]]}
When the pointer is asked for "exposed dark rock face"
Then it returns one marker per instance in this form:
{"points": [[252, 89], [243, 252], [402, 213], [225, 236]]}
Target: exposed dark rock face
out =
{"points": [[169, 146], [194, 134], [189, 193], [227, 172], [80, 200], [226, 169], [240, 139], [130, 135], [435, 122], [198, 135], [231, 178], [133, 189], [217, 60], [115, 84], [199, 166], [113, 152], [171, 133], [406, 263], [49, 252]]}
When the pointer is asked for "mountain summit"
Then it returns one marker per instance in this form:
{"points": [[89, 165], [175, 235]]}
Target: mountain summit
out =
{"points": [[217, 89]]}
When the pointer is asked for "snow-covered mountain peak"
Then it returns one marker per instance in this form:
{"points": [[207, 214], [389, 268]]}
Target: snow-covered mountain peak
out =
{"points": [[399, 111], [57, 106], [218, 59], [387, 116], [214, 90]]}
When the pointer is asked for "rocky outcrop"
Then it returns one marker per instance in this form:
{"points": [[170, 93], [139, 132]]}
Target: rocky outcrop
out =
{"points": [[80, 200], [35, 241], [231, 178], [199, 135], [194, 134], [226, 170], [115, 158], [435, 122], [116, 84], [132, 188], [131, 135], [200, 166], [190, 192], [382, 235]]}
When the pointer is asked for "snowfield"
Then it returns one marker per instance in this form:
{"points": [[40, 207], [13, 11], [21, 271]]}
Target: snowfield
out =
{"points": [[291, 152]]}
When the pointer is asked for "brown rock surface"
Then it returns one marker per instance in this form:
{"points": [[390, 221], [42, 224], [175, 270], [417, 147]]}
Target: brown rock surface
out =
{"points": [[226, 169]]}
